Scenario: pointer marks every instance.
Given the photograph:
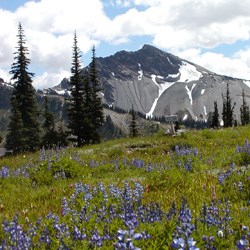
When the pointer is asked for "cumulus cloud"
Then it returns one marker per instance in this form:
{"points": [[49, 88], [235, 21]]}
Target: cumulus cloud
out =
{"points": [[48, 80], [238, 66], [183, 26]]}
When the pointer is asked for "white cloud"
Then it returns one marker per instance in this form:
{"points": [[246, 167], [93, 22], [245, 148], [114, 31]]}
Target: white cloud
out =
{"points": [[183, 25], [238, 66], [48, 80], [5, 75]]}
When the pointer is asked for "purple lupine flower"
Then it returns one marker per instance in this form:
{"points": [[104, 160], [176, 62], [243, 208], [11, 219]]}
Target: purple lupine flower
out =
{"points": [[65, 206], [96, 239], [4, 173], [43, 154], [243, 243], [209, 241]]}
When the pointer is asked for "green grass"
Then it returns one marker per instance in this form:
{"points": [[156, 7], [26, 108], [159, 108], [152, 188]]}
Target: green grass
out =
{"points": [[111, 163]]}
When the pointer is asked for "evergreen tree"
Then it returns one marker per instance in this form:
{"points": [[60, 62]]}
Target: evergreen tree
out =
{"points": [[87, 97], [215, 123], [50, 136], [228, 108], [23, 101], [61, 135], [133, 126], [244, 110], [75, 109], [97, 106], [15, 139]]}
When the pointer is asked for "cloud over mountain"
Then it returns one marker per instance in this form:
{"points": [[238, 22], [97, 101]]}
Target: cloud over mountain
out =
{"points": [[179, 26]]}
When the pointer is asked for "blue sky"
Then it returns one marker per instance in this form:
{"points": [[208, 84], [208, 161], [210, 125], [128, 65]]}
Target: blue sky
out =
{"points": [[196, 30]]}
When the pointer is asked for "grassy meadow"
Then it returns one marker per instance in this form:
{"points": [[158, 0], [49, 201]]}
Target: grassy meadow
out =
{"points": [[159, 192]]}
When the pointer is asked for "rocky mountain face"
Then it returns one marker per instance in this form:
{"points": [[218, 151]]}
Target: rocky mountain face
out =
{"points": [[154, 83], [157, 83]]}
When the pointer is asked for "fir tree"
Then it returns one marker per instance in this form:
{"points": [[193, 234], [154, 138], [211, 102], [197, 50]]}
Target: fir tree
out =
{"points": [[61, 135], [23, 101], [75, 109], [133, 126], [215, 123], [15, 139], [97, 106], [244, 110], [228, 108], [50, 136], [87, 97]]}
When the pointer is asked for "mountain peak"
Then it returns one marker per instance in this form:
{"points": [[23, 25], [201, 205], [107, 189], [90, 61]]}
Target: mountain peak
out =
{"points": [[149, 47]]}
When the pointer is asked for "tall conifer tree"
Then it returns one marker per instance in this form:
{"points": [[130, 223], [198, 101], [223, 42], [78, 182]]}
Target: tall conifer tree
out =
{"points": [[97, 106], [228, 109], [50, 135], [244, 110], [133, 126], [215, 123], [87, 97], [76, 116], [23, 101], [15, 139]]}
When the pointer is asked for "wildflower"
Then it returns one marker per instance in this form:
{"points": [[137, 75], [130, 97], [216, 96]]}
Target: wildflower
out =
{"points": [[220, 234], [180, 243], [243, 243]]}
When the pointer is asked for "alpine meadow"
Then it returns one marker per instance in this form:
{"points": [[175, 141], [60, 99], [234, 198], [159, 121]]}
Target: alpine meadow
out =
{"points": [[104, 169]]}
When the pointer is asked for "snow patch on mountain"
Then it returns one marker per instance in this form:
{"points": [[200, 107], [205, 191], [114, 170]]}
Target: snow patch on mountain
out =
{"points": [[247, 83], [140, 72], [185, 117], [205, 112], [173, 75], [63, 92], [202, 91], [170, 61], [162, 87], [189, 73], [189, 92]]}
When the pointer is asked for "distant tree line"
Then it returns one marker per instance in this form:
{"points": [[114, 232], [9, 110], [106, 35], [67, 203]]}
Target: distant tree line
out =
{"points": [[228, 116], [84, 106]]}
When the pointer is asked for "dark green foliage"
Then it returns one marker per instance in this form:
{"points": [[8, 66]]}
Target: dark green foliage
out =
{"points": [[23, 102], [133, 126], [244, 110], [15, 139], [87, 97], [76, 114], [215, 123], [50, 136], [62, 136], [97, 106], [228, 109]]}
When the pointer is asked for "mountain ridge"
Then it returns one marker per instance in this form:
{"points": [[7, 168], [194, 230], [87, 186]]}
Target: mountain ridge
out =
{"points": [[158, 83]]}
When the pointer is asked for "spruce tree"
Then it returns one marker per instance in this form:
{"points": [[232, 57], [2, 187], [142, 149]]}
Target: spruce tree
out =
{"points": [[15, 139], [228, 109], [133, 126], [61, 135], [96, 105], [75, 108], [87, 98], [215, 123], [244, 110], [23, 101], [50, 134]]}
